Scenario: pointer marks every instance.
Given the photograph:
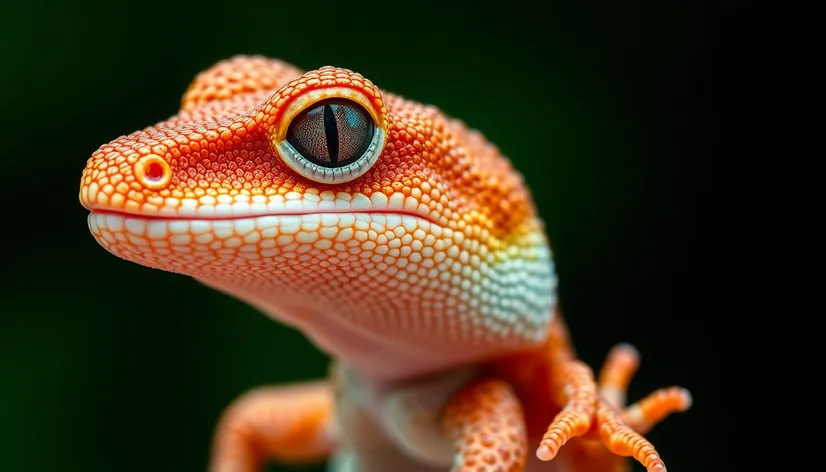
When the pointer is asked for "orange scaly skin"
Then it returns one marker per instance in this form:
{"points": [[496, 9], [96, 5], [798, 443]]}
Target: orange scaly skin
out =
{"points": [[398, 240]]}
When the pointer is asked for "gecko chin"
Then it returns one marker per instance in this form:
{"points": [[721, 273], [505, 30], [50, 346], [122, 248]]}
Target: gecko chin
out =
{"points": [[333, 265]]}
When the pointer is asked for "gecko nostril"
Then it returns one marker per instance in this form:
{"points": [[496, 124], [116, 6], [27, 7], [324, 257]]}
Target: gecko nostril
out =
{"points": [[153, 172]]}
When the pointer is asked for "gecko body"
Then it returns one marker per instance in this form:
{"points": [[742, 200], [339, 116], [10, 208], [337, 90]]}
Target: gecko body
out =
{"points": [[400, 242]]}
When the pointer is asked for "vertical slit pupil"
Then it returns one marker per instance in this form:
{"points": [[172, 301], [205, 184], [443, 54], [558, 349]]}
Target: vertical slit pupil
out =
{"points": [[331, 132]]}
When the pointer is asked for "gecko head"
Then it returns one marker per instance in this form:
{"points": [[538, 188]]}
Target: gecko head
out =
{"points": [[322, 196]]}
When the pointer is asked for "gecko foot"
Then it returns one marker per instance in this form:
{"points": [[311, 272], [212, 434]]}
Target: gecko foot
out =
{"points": [[599, 408], [621, 430]]}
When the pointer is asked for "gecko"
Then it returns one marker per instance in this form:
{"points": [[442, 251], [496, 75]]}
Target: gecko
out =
{"points": [[404, 245]]}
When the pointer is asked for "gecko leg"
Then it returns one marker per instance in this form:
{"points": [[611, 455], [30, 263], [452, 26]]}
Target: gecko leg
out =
{"points": [[486, 423], [289, 423]]}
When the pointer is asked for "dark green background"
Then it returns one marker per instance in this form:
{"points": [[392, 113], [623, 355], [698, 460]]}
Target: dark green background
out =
{"points": [[635, 123]]}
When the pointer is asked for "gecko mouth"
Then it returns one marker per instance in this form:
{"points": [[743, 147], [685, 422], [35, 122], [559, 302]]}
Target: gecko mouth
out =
{"points": [[204, 246], [281, 229], [188, 238], [224, 208], [293, 214]]}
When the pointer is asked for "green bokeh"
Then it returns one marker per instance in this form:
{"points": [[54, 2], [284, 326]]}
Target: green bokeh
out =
{"points": [[109, 366]]}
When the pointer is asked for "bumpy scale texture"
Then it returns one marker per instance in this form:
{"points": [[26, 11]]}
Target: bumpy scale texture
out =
{"points": [[486, 423], [424, 256], [441, 225]]}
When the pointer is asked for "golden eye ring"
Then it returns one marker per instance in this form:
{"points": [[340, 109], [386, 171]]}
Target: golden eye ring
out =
{"points": [[330, 135]]}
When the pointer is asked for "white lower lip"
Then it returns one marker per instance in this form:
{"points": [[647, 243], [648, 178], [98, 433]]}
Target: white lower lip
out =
{"points": [[292, 203], [305, 228]]}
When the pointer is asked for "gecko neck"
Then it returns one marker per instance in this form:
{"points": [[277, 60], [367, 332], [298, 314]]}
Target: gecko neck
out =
{"points": [[384, 358]]}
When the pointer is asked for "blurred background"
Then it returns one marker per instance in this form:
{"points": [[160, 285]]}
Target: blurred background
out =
{"points": [[636, 124]]}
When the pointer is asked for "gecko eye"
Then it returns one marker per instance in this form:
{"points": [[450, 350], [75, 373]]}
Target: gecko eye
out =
{"points": [[331, 133], [332, 141]]}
